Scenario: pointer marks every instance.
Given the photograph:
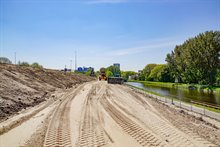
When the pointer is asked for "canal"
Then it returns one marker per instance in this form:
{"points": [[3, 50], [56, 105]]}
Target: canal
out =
{"points": [[183, 94]]}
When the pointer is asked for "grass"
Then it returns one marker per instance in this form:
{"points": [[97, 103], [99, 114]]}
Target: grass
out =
{"points": [[161, 84], [216, 88], [174, 99], [208, 108]]}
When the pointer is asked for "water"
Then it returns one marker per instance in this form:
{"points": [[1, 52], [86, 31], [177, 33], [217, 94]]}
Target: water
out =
{"points": [[183, 94]]}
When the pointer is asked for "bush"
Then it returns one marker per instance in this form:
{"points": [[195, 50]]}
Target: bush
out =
{"points": [[5, 60], [36, 65], [23, 63]]}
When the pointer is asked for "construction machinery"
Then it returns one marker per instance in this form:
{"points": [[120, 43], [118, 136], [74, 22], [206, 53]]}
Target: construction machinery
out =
{"points": [[115, 79], [102, 74], [92, 73]]}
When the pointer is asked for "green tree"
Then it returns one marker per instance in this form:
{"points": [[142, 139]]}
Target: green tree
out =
{"points": [[109, 73], [36, 65], [115, 70], [156, 73], [141, 76], [125, 74], [197, 59], [5, 60], [171, 65], [147, 70], [165, 75], [218, 77]]}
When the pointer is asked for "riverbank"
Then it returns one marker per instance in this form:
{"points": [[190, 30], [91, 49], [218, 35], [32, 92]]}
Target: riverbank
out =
{"points": [[179, 85], [174, 100]]}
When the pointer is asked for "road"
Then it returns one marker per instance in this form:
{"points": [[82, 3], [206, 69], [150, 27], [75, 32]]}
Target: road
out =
{"points": [[101, 114]]}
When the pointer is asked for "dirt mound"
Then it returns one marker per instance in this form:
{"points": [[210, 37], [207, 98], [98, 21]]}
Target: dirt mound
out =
{"points": [[22, 87]]}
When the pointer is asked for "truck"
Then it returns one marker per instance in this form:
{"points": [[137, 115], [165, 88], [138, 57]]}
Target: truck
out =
{"points": [[115, 79]]}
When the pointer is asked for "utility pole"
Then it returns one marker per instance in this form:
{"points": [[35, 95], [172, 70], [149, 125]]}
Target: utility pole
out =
{"points": [[75, 61], [71, 65], [15, 58]]}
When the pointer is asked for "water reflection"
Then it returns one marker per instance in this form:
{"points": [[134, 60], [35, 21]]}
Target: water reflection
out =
{"points": [[184, 94]]}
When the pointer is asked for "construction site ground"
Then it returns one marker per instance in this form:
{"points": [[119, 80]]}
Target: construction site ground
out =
{"points": [[25, 87], [99, 114]]}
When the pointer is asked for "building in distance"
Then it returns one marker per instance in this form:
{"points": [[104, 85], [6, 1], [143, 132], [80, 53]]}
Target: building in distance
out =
{"points": [[117, 65], [84, 69]]}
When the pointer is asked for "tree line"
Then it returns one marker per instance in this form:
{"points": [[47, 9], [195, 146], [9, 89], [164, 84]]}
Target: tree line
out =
{"points": [[197, 61], [156, 72], [4, 60]]}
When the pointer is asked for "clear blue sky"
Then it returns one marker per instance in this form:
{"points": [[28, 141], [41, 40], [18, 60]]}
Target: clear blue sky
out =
{"points": [[130, 32]]}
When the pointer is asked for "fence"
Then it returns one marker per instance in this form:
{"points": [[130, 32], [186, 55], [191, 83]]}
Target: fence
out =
{"points": [[185, 105]]}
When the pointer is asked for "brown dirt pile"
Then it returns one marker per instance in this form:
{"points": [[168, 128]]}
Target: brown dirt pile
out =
{"points": [[22, 87]]}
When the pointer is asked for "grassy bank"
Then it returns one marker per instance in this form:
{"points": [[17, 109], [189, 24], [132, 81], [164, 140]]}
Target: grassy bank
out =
{"points": [[177, 85]]}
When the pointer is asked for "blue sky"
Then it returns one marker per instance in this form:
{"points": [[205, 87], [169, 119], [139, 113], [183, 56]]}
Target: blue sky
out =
{"points": [[130, 32]]}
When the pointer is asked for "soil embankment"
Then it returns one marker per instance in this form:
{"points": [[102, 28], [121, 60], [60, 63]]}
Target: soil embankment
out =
{"points": [[23, 87]]}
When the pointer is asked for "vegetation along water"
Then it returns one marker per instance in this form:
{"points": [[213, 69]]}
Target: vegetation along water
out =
{"points": [[180, 93]]}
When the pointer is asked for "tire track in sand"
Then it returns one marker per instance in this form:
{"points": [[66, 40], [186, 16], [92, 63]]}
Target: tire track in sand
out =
{"points": [[58, 132], [142, 136], [92, 134]]}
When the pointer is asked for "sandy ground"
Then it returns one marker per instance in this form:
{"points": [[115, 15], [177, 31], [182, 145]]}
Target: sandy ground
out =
{"points": [[101, 114]]}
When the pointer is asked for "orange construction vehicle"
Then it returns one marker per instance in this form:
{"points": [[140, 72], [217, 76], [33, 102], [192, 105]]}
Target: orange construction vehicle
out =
{"points": [[102, 74]]}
